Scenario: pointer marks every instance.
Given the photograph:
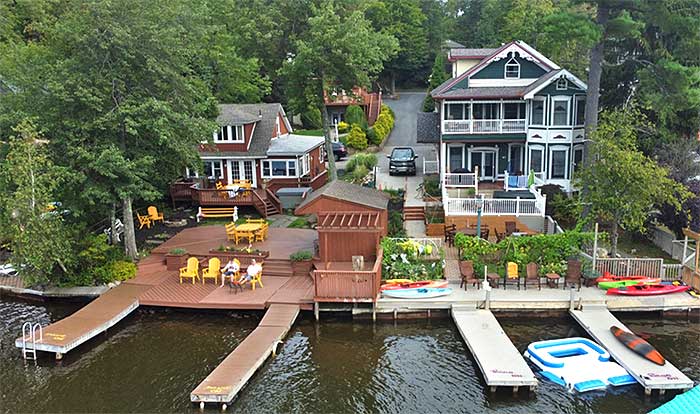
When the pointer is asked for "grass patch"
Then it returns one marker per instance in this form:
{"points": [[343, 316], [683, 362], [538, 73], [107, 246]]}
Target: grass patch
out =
{"points": [[299, 223], [639, 246], [309, 132]]}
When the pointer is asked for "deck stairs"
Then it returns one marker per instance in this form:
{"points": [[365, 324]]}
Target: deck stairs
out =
{"points": [[277, 267], [414, 213], [270, 208]]}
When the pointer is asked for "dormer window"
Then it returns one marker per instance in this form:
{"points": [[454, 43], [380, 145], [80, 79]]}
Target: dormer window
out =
{"points": [[562, 84], [512, 70], [230, 134]]}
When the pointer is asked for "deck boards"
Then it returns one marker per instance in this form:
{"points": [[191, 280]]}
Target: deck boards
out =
{"points": [[597, 320], [499, 360], [229, 377]]}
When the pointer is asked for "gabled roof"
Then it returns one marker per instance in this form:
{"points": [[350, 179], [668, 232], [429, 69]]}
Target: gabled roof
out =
{"points": [[353, 193], [550, 77], [497, 54], [466, 53]]}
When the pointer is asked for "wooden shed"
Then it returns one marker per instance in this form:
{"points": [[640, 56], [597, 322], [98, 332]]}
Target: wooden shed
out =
{"points": [[351, 220]]}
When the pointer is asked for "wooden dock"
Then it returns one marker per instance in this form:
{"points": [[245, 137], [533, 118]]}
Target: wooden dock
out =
{"points": [[227, 379], [597, 320], [501, 364], [91, 320]]}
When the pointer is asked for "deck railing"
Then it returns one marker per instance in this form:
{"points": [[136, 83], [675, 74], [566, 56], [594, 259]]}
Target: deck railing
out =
{"points": [[493, 207], [181, 191], [482, 126], [348, 285]]}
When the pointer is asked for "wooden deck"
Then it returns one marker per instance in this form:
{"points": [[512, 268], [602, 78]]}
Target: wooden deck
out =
{"points": [[91, 320], [227, 379]]}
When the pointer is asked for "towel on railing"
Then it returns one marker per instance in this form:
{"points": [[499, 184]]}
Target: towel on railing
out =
{"points": [[522, 181], [512, 181]]}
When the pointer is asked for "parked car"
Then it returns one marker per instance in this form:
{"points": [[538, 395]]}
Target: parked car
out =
{"points": [[339, 151], [402, 160]]}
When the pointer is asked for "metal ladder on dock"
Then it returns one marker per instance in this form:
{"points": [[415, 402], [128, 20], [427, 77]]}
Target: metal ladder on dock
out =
{"points": [[30, 338]]}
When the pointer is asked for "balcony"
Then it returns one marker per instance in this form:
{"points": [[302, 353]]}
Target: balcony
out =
{"points": [[483, 126]]}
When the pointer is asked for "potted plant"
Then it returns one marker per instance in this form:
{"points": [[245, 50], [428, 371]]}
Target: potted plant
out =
{"points": [[176, 258], [301, 262]]}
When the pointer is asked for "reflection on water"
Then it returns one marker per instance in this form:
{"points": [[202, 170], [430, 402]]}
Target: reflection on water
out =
{"points": [[152, 360]]}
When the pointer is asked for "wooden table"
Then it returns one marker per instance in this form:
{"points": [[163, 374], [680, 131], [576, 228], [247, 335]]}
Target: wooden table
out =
{"points": [[250, 229], [552, 280], [494, 279]]}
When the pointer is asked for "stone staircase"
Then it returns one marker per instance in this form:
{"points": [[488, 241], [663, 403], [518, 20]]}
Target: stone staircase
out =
{"points": [[414, 213]]}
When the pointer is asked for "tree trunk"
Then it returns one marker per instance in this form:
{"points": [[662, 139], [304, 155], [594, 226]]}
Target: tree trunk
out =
{"points": [[129, 230], [613, 238], [594, 74], [113, 225], [393, 83], [332, 174]]}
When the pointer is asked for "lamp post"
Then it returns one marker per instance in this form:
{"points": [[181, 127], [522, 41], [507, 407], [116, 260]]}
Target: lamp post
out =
{"points": [[479, 208]]}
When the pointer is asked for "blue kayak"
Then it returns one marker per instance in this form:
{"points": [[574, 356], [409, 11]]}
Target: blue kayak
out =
{"points": [[418, 293]]}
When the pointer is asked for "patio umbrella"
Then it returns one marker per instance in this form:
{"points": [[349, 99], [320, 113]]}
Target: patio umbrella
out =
{"points": [[531, 178]]}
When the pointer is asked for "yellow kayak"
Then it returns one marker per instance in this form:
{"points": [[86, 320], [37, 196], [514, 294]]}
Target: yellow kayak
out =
{"points": [[398, 281]]}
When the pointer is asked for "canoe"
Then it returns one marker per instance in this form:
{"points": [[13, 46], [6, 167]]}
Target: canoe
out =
{"points": [[397, 281], [638, 345], [647, 290], [420, 293], [609, 277], [415, 285], [621, 283]]}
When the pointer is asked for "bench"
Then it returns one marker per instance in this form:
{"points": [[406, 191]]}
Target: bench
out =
{"points": [[205, 212]]}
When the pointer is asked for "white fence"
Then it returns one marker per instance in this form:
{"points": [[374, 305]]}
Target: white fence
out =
{"points": [[467, 126], [465, 180], [493, 207], [633, 266], [431, 167]]}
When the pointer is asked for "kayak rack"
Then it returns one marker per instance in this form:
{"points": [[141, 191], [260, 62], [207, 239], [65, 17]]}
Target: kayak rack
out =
{"points": [[597, 320]]}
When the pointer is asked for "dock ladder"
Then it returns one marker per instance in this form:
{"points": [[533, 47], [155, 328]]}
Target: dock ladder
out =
{"points": [[30, 338]]}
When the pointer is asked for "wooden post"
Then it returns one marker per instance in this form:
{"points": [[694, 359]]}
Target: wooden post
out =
{"points": [[595, 247]]}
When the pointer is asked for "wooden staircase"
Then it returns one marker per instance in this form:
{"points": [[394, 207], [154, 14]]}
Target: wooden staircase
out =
{"points": [[414, 213], [277, 267], [270, 208]]}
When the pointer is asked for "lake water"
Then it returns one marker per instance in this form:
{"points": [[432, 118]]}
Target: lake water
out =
{"points": [[153, 359]]}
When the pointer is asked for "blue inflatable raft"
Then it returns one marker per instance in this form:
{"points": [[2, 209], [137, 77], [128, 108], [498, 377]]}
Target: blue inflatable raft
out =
{"points": [[578, 364]]}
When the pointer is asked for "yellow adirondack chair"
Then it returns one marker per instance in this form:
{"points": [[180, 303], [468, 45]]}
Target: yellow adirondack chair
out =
{"points": [[512, 275], [191, 271], [143, 221], [257, 279], [231, 231], [213, 271], [154, 215]]}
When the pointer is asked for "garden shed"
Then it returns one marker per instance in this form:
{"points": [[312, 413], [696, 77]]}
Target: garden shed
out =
{"points": [[351, 220]]}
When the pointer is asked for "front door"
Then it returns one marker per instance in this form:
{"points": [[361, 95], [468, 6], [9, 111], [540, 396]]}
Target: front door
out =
{"points": [[242, 170], [486, 161]]}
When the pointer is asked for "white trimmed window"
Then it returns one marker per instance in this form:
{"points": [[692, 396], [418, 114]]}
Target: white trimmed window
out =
{"points": [[578, 158], [538, 111], [212, 169], [562, 84], [512, 69], [558, 163], [279, 168], [580, 110], [537, 158], [230, 134], [560, 111], [305, 164]]}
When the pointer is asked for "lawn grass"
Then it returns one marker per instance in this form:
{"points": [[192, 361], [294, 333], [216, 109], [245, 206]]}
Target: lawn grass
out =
{"points": [[309, 132], [299, 223], [639, 246]]}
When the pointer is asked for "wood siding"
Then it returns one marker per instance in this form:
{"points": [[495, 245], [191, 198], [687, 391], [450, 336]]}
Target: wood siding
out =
{"points": [[495, 70]]}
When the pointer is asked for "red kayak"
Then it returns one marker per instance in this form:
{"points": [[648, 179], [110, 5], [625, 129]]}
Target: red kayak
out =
{"points": [[609, 277], [648, 290], [638, 345], [414, 285]]}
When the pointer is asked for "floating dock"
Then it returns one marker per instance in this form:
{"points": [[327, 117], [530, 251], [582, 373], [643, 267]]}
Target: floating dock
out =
{"points": [[499, 360], [91, 320], [227, 379], [597, 320]]}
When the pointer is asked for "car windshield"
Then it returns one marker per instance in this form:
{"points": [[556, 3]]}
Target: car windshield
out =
{"points": [[402, 154]]}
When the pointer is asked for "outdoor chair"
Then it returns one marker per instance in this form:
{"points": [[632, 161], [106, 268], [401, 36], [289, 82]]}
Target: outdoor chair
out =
{"points": [[573, 273], [154, 215], [466, 270], [499, 236], [532, 276], [484, 234], [213, 271], [261, 234], [223, 193], [511, 228], [235, 283], [512, 275], [231, 231], [450, 232], [191, 271], [143, 221], [257, 279]]}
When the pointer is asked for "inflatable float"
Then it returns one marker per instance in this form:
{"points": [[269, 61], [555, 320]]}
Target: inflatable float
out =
{"points": [[419, 293], [621, 283], [648, 290], [638, 345], [578, 364]]}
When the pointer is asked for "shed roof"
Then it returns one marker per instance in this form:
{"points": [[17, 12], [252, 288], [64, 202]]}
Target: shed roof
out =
{"points": [[352, 193], [292, 144]]}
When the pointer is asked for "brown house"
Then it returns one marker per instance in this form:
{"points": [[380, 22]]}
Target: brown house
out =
{"points": [[337, 102]]}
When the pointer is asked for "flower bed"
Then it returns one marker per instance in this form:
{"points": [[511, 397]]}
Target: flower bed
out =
{"points": [[410, 259], [239, 253]]}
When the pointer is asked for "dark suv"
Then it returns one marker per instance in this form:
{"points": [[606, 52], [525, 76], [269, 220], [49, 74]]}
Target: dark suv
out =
{"points": [[402, 159]]}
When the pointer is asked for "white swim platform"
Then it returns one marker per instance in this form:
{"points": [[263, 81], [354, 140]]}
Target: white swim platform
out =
{"points": [[597, 320], [500, 362]]}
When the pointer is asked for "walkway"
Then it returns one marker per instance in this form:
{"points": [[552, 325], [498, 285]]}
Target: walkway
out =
{"points": [[227, 379], [499, 360], [95, 318], [596, 320]]}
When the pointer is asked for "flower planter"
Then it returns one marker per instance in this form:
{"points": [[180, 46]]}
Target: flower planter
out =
{"points": [[176, 261], [302, 267], [244, 258], [435, 229]]}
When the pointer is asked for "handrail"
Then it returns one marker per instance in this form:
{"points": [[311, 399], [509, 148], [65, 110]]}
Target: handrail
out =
{"points": [[259, 203], [274, 199]]}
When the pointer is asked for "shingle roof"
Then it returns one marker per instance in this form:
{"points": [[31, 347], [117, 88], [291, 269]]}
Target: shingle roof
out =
{"points": [[342, 190], [293, 144], [264, 115], [467, 52], [486, 92], [451, 44], [542, 79]]}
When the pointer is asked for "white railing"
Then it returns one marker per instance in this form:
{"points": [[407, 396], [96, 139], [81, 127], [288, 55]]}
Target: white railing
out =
{"points": [[479, 126], [636, 266], [552, 226], [431, 167], [493, 207], [671, 271]]}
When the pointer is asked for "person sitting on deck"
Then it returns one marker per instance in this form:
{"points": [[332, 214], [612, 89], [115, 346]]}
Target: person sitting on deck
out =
{"points": [[251, 272], [230, 270]]}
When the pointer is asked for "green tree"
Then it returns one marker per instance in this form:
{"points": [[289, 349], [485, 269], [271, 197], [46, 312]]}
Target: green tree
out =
{"points": [[624, 185], [437, 77], [340, 48], [354, 115], [39, 239], [357, 138]]}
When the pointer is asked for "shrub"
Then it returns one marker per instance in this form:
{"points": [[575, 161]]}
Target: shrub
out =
{"points": [[431, 186], [177, 251], [396, 225], [361, 158], [118, 270], [354, 115], [428, 103], [300, 256], [357, 138], [372, 137], [359, 173], [343, 127], [311, 119]]}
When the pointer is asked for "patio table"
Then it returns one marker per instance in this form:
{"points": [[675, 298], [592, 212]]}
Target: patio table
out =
{"points": [[250, 229]]}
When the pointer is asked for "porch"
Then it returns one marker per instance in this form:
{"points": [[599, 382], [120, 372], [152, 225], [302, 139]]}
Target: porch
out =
{"points": [[484, 117], [263, 200]]}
